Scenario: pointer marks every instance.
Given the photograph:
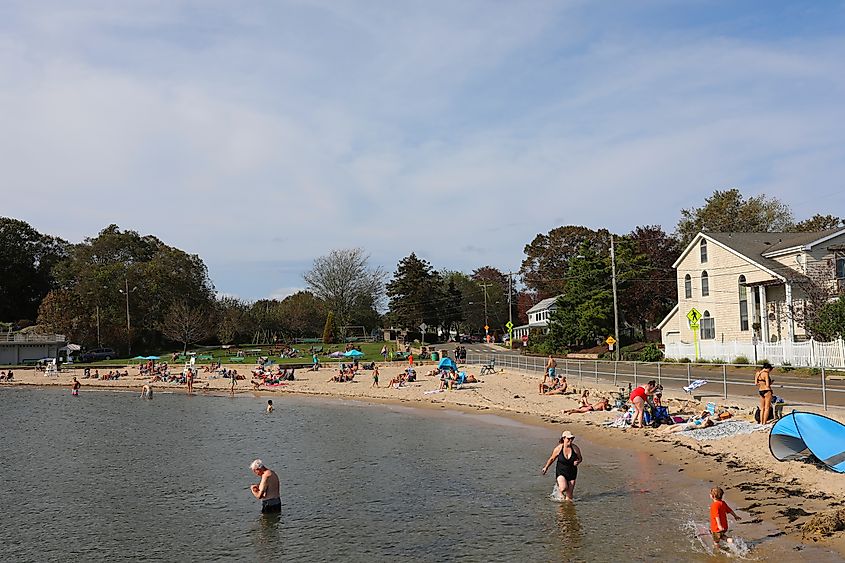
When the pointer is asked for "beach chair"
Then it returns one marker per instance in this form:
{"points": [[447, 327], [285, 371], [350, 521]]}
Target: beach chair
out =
{"points": [[489, 367]]}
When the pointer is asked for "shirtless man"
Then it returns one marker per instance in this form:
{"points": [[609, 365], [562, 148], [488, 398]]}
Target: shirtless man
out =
{"points": [[551, 365], [267, 491]]}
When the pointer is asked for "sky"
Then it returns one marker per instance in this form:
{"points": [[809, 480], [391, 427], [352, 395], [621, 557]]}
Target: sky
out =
{"points": [[261, 135]]}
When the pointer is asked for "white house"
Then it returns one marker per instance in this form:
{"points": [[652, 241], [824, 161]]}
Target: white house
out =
{"points": [[751, 288], [538, 317]]}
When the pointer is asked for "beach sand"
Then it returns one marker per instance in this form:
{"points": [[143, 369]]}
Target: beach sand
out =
{"points": [[786, 494]]}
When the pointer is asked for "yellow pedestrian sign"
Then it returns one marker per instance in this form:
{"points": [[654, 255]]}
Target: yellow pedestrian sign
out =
{"points": [[509, 325], [693, 317], [610, 341]]}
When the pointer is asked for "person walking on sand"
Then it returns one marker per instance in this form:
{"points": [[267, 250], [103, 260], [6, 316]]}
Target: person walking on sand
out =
{"points": [[551, 368], [267, 491], [234, 379], [375, 377], [763, 381], [568, 457], [719, 511], [384, 352], [74, 388]]}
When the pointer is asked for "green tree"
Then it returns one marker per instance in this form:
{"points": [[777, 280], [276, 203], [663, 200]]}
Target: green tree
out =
{"points": [[829, 324], [415, 294], [819, 223], [547, 257], [584, 313], [97, 273], [328, 329], [302, 314], [729, 212], [231, 319], [27, 258]]}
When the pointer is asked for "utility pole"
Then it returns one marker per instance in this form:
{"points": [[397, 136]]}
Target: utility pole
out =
{"points": [[510, 309], [484, 286], [615, 306], [128, 327]]}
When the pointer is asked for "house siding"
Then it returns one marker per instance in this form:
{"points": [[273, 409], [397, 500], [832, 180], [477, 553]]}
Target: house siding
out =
{"points": [[723, 268]]}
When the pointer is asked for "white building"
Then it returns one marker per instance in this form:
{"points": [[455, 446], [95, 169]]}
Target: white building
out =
{"points": [[538, 317]]}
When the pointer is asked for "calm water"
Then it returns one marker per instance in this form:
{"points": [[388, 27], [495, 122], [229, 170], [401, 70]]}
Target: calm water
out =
{"points": [[109, 476]]}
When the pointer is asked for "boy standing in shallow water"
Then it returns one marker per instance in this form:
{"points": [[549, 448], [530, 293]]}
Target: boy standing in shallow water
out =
{"points": [[719, 511]]}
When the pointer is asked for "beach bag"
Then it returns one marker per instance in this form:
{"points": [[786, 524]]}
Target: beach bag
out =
{"points": [[757, 414]]}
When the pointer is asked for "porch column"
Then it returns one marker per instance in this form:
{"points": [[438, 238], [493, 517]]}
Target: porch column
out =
{"points": [[764, 316], [790, 324], [752, 318]]}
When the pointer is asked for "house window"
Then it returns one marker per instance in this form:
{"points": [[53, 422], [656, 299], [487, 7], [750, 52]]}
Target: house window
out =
{"points": [[743, 304], [688, 286], [705, 284], [703, 247], [708, 326], [840, 267]]}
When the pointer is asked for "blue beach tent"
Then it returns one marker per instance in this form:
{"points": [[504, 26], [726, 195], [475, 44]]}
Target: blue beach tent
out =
{"points": [[447, 363], [799, 435], [353, 354]]}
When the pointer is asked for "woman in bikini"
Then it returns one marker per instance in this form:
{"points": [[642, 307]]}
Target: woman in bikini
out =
{"points": [[600, 405], [568, 457], [763, 381]]}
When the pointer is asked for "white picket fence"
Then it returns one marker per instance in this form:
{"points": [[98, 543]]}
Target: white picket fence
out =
{"points": [[800, 354]]}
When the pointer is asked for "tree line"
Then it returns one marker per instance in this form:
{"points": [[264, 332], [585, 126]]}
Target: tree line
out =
{"points": [[82, 290]]}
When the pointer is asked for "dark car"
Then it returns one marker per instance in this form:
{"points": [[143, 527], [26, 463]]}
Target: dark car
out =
{"points": [[97, 354]]}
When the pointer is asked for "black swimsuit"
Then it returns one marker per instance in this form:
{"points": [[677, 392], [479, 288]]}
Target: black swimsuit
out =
{"points": [[566, 466]]}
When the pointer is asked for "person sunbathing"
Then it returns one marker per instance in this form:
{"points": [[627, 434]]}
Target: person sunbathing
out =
{"points": [[600, 405], [701, 421]]}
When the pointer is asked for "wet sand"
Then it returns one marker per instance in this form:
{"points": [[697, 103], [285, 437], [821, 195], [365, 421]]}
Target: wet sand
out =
{"points": [[785, 494]]}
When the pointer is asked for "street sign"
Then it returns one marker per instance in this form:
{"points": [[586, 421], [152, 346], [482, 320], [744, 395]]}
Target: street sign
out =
{"points": [[610, 341], [423, 326], [525, 338], [509, 325], [693, 317]]}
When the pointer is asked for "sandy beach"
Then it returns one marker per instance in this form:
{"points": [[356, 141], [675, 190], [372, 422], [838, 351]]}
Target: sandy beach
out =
{"points": [[786, 494]]}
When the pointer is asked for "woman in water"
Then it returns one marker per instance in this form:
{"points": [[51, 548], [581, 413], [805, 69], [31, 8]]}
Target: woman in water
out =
{"points": [[763, 381], [568, 457], [638, 398], [75, 387]]}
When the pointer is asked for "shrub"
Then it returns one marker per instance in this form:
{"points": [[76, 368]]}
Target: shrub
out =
{"points": [[786, 366], [328, 329], [815, 371], [683, 360], [717, 361], [741, 360], [651, 353]]}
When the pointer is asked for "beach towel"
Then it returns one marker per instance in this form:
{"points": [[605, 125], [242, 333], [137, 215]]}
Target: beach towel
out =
{"points": [[695, 385]]}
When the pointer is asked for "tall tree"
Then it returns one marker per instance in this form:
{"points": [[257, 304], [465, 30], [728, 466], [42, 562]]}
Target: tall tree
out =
{"points": [[415, 294], [342, 279], [97, 272], [648, 290], [585, 310], [27, 258], [302, 314], [547, 257], [728, 211], [232, 321], [819, 223], [186, 324]]}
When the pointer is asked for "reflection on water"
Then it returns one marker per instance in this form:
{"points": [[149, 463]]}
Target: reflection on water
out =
{"points": [[569, 527], [169, 479]]}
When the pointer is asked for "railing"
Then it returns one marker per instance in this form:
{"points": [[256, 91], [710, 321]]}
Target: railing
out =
{"points": [[827, 385], [31, 338]]}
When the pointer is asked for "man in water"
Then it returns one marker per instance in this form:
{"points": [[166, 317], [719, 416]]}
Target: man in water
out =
{"points": [[75, 387], [268, 490]]}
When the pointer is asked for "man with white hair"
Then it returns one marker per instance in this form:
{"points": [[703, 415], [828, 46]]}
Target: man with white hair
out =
{"points": [[268, 490]]}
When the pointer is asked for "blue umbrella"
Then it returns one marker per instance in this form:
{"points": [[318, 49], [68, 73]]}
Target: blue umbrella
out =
{"points": [[447, 363], [139, 358], [151, 358], [353, 354]]}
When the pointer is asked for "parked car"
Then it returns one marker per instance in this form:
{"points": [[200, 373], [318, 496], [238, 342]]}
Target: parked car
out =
{"points": [[97, 354]]}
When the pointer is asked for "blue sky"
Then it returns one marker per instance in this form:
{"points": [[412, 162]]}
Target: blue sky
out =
{"points": [[261, 135]]}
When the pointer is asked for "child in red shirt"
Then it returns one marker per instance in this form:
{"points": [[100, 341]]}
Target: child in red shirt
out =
{"points": [[719, 511]]}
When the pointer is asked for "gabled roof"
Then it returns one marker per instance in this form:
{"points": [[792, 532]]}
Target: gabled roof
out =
{"points": [[543, 305], [671, 314]]}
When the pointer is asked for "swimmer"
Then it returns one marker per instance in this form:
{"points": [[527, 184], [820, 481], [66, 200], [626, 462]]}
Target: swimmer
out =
{"points": [[568, 457], [267, 491], [269, 405], [75, 387], [147, 391]]}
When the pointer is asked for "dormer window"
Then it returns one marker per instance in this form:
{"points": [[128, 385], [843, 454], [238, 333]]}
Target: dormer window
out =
{"points": [[705, 284], [703, 247]]}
